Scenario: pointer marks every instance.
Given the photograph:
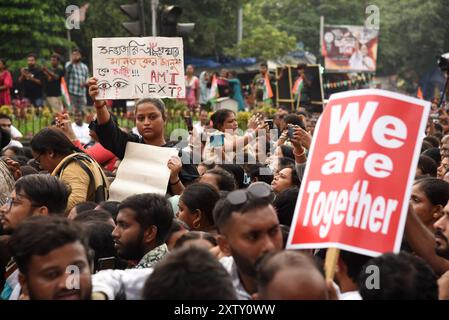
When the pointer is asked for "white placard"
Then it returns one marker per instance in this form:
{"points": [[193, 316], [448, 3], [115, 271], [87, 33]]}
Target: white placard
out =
{"points": [[142, 170], [130, 68]]}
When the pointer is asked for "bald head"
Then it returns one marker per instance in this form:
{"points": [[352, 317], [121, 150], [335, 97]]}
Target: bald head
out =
{"points": [[445, 139], [290, 275]]}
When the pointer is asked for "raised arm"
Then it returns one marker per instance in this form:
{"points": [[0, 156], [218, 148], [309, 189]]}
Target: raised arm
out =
{"points": [[103, 115]]}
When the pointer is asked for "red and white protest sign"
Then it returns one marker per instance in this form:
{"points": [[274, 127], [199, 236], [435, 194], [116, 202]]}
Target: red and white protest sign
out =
{"points": [[358, 179]]}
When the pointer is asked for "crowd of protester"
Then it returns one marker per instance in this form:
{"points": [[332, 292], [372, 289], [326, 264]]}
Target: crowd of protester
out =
{"points": [[220, 230]]}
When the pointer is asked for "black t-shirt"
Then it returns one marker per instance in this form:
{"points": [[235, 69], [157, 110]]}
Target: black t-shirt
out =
{"points": [[32, 90], [115, 140], [53, 87]]}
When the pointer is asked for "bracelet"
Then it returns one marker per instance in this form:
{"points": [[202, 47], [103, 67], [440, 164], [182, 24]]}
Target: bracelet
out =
{"points": [[301, 154], [102, 105], [177, 181]]}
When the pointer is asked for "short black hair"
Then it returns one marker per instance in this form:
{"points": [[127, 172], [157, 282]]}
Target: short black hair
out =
{"points": [[263, 64], [100, 240], [436, 190], [76, 50], [194, 235], [56, 56], [93, 216], [32, 55], [295, 120], [224, 209], [40, 235], [225, 180], [201, 196], [287, 151], [111, 207], [434, 153], [426, 145], [301, 66], [85, 206], [433, 141], [189, 273], [27, 170], [400, 277], [427, 165], [262, 172], [45, 190], [285, 162], [354, 263], [151, 209], [238, 173]]}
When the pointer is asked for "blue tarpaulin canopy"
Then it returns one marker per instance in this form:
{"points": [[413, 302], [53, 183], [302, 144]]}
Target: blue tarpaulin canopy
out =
{"points": [[212, 63]]}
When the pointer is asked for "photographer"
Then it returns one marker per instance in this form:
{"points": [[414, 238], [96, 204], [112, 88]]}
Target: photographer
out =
{"points": [[32, 79]]}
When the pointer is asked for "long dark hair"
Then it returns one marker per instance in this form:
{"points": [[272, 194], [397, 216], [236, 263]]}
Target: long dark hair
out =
{"points": [[53, 139]]}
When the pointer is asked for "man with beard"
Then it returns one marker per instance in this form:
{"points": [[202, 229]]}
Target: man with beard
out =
{"points": [[442, 234], [33, 195], [248, 229], [53, 259], [143, 222], [32, 80]]}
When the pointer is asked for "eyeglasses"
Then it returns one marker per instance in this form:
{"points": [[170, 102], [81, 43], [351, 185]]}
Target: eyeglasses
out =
{"points": [[10, 201], [37, 160], [256, 190]]}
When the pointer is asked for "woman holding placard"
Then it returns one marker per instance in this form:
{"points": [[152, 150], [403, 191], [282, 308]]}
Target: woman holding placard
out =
{"points": [[150, 122]]}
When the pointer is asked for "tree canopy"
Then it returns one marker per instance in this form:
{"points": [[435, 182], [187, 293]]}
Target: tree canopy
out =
{"points": [[412, 32]]}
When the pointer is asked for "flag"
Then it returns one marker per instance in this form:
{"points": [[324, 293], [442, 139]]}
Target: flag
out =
{"points": [[65, 94], [419, 94], [297, 87], [213, 89], [267, 92]]}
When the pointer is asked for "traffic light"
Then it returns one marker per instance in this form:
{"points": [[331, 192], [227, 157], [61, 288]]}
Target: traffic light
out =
{"points": [[168, 22], [136, 12]]}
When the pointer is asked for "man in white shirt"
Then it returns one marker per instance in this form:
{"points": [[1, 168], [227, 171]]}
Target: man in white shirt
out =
{"points": [[248, 229], [80, 128], [347, 274]]}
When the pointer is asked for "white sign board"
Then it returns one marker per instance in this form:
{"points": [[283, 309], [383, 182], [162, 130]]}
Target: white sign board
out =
{"points": [[131, 68], [142, 170]]}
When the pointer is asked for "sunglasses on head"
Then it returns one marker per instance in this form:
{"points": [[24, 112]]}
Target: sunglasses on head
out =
{"points": [[257, 190]]}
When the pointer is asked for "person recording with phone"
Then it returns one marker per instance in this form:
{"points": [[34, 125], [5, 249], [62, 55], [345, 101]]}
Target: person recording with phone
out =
{"points": [[225, 148], [32, 79]]}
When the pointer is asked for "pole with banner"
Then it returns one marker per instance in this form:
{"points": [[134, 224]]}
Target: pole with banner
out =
{"points": [[357, 184]]}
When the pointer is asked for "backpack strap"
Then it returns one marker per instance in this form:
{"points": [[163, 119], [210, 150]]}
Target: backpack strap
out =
{"points": [[100, 192]]}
